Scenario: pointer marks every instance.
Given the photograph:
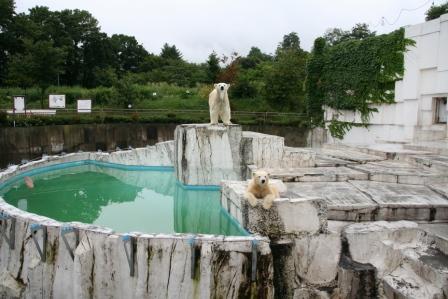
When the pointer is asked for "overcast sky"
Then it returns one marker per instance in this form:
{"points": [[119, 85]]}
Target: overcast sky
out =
{"points": [[197, 27]]}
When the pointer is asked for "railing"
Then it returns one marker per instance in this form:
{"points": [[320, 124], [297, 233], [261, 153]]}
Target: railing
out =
{"points": [[251, 115]]}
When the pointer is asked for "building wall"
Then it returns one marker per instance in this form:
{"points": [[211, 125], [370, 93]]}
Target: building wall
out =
{"points": [[411, 117]]}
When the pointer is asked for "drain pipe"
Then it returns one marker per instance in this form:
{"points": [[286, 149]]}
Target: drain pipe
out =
{"points": [[254, 243], [12, 230], [192, 243], [66, 229], [42, 250], [129, 254]]}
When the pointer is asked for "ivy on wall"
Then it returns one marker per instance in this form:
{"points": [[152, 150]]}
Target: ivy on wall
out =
{"points": [[353, 75]]}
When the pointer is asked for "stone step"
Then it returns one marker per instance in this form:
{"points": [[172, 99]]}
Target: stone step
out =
{"points": [[437, 163], [404, 201], [385, 150], [392, 171], [407, 261], [439, 147], [325, 161], [373, 201], [316, 174], [441, 188], [429, 135], [352, 155], [344, 201], [438, 233], [405, 283], [430, 263]]}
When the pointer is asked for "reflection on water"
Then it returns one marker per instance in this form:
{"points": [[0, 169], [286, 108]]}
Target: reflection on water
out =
{"points": [[124, 200]]}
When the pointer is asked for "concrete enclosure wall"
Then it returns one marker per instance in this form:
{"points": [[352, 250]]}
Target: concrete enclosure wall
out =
{"points": [[29, 143]]}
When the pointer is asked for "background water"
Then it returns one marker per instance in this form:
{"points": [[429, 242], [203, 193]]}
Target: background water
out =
{"points": [[124, 200]]}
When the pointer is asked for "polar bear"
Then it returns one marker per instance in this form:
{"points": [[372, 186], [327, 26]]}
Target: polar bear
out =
{"points": [[259, 187], [218, 101]]}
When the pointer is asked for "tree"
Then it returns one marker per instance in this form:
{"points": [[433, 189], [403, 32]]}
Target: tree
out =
{"points": [[6, 37], [436, 11], [105, 76], [76, 31], [152, 62], [213, 67], [128, 52], [97, 53], [126, 92], [170, 52], [253, 58], [39, 65], [291, 42], [230, 72], [360, 31], [314, 92], [284, 82]]}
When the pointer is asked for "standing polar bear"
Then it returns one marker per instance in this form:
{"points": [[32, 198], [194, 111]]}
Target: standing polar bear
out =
{"points": [[218, 101]]}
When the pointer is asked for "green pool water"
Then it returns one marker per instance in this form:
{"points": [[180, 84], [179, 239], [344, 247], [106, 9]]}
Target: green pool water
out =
{"points": [[125, 199]]}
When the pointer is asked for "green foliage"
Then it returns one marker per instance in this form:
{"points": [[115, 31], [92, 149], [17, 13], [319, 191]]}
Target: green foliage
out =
{"points": [[170, 52], [339, 128], [129, 53], [213, 67], [3, 118], [335, 36], [6, 36], [284, 85], [436, 11], [284, 80], [355, 74], [39, 65], [291, 42], [315, 94]]}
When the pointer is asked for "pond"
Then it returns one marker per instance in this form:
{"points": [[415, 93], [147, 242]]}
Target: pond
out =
{"points": [[124, 198]]}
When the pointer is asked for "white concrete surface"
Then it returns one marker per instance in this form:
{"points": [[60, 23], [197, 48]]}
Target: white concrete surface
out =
{"points": [[207, 154]]}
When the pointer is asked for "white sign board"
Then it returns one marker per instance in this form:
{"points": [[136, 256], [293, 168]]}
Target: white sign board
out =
{"points": [[56, 101], [84, 106], [19, 104]]}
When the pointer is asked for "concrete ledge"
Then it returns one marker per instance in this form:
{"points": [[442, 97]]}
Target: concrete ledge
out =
{"points": [[298, 157], [100, 268], [344, 201], [261, 150], [207, 154], [317, 174], [401, 173], [288, 216]]}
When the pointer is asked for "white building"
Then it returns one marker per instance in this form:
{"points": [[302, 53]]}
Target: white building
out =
{"points": [[420, 109]]}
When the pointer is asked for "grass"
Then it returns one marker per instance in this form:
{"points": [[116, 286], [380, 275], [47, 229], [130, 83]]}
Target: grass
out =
{"points": [[150, 96]]}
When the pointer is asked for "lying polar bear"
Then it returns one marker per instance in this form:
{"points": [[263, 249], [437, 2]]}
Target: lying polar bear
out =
{"points": [[218, 101], [260, 188]]}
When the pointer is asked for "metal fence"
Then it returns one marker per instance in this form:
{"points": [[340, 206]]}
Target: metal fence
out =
{"points": [[170, 113]]}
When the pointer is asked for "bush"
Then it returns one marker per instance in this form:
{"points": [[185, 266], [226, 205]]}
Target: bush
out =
{"points": [[3, 118]]}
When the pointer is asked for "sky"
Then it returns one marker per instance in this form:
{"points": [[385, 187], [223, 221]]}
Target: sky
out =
{"points": [[198, 27]]}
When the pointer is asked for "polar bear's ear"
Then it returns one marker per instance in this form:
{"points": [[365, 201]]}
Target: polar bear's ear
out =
{"points": [[253, 174], [228, 85], [215, 85]]}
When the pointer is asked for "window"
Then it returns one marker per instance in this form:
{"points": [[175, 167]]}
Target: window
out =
{"points": [[441, 110]]}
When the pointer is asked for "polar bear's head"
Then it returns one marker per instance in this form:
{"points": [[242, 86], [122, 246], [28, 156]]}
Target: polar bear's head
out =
{"points": [[221, 88], [260, 177]]}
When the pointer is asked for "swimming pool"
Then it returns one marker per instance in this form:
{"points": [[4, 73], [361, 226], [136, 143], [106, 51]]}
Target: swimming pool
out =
{"points": [[124, 198]]}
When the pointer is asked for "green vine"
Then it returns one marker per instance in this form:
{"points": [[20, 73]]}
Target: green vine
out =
{"points": [[353, 75]]}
